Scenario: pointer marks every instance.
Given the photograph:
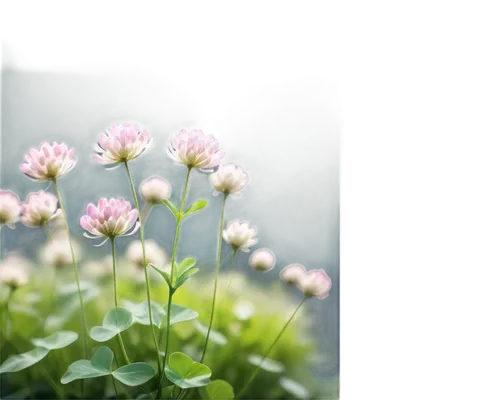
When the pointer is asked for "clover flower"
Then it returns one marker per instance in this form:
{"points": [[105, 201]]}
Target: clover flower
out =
{"points": [[120, 143], [155, 189], [229, 179], [14, 271], [48, 162], [10, 208], [57, 251], [293, 273], [196, 150], [39, 208], [316, 283], [110, 218], [154, 253], [262, 260], [240, 235]]}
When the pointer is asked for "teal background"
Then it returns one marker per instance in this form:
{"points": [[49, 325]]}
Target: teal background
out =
{"points": [[289, 142]]}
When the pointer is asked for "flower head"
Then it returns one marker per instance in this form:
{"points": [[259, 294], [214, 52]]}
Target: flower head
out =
{"points": [[240, 235], [110, 218], [155, 189], [38, 208], [196, 150], [10, 208], [49, 162], [14, 271], [57, 251], [229, 178], [293, 273], [121, 143], [262, 260], [154, 253], [316, 283]]}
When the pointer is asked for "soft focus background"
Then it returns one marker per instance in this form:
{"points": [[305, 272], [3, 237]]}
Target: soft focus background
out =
{"points": [[259, 79]]}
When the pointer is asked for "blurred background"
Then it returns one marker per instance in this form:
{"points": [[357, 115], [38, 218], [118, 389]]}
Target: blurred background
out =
{"points": [[259, 78]]}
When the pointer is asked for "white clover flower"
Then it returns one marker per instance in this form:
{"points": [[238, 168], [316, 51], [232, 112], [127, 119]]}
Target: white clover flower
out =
{"points": [[38, 209], [98, 268], [196, 150], [240, 235], [229, 179], [10, 208], [316, 284], [293, 273], [111, 217], [57, 251], [262, 260], [244, 310], [155, 189], [50, 161], [14, 271], [154, 253], [121, 143]]}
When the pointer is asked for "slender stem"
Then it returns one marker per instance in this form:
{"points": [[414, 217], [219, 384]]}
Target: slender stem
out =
{"points": [[217, 268], [8, 320], [172, 277], [46, 229], [77, 276], [113, 256], [231, 272], [146, 210], [54, 385], [256, 371], [114, 385], [146, 273]]}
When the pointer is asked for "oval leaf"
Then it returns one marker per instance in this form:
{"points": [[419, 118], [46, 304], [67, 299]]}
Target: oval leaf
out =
{"points": [[182, 371], [266, 364], [294, 388], [178, 314], [134, 374], [186, 264], [140, 312], [171, 207], [217, 390], [57, 340], [99, 365], [19, 362], [116, 320]]}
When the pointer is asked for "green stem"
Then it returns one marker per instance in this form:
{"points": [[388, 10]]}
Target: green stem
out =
{"points": [[114, 385], [113, 256], [172, 277], [46, 229], [242, 391], [217, 268], [231, 272], [8, 320], [77, 276], [146, 273], [54, 385]]}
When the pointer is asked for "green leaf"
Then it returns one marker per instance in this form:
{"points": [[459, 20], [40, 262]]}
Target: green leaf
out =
{"points": [[163, 273], [217, 390], [266, 364], [21, 361], [186, 264], [99, 365], [294, 388], [140, 312], [215, 336], [182, 278], [134, 374], [186, 373], [57, 340], [171, 207], [145, 396], [196, 206], [115, 321], [178, 314]]}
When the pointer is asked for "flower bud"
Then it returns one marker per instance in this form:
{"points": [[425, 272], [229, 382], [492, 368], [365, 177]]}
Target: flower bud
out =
{"points": [[10, 208], [229, 178], [154, 253], [262, 260], [14, 271], [155, 189], [240, 235]]}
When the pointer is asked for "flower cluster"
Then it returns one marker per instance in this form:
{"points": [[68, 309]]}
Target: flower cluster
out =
{"points": [[49, 162], [313, 283], [10, 208], [14, 271], [240, 235], [38, 209], [229, 179]]}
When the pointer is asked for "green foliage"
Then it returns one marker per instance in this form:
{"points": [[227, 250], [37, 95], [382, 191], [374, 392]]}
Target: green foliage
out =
{"points": [[217, 390], [117, 320], [196, 206], [182, 371], [19, 362], [57, 340]]}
